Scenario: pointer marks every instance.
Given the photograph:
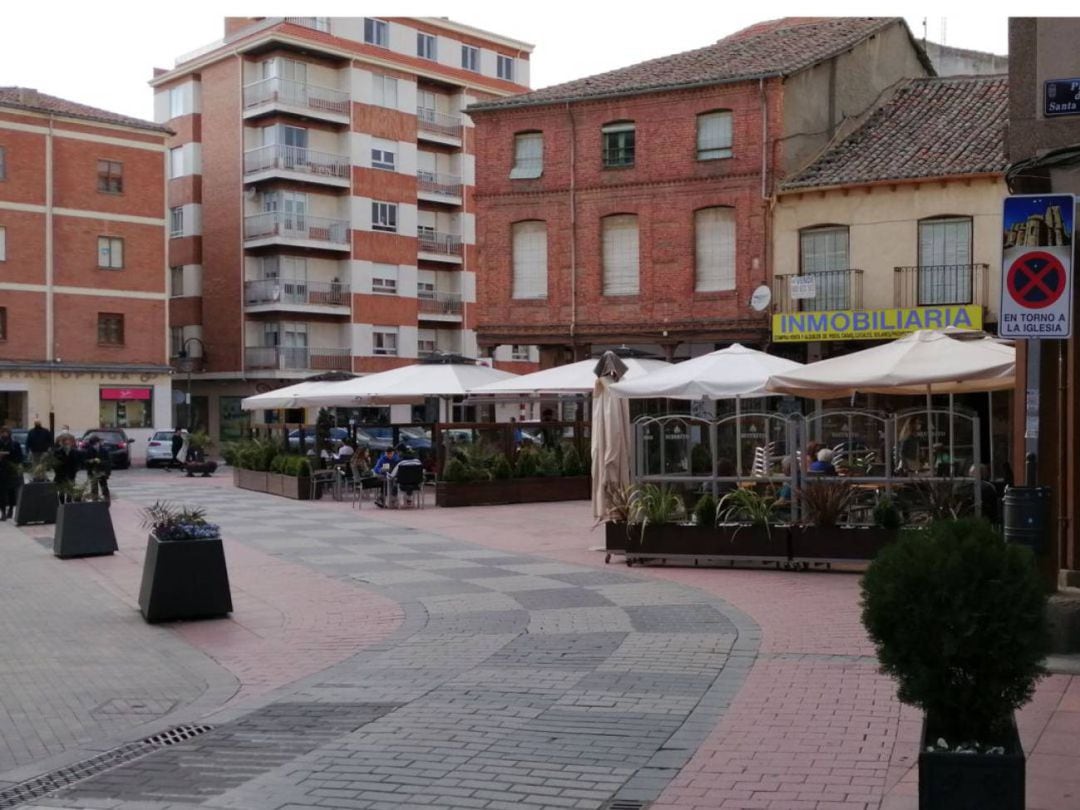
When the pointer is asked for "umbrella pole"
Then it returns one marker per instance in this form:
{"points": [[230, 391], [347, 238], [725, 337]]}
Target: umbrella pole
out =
{"points": [[990, 429], [929, 430], [738, 438], [952, 438]]}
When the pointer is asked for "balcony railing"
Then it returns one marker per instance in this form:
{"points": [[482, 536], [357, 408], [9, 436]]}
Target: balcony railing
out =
{"points": [[444, 185], [317, 23], [286, 225], [439, 303], [292, 291], [940, 284], [299, 358], [296, 94], [833, 289], [296, 159], [429, 120], [442, 244]]}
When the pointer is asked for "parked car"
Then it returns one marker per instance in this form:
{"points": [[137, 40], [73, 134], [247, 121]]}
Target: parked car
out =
{"points": [[159, 449], [413, 438], [337, 434], [115, 441]]}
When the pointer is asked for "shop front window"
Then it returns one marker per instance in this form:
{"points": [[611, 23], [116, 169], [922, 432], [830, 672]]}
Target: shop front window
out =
{"points": [[235, 422], [127, 407]]}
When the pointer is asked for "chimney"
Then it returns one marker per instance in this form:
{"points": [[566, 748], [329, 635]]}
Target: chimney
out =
{"points": [[28, 96]]}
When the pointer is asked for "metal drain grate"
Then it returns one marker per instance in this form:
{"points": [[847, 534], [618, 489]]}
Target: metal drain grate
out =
{"points": [[625, 804], [61, 778]]}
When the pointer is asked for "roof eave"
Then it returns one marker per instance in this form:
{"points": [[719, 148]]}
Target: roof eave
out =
{"points": [[891, 181], [157, 129]]}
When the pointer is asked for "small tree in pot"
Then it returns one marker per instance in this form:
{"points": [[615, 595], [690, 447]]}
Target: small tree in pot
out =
{"points": [[959, 620]]}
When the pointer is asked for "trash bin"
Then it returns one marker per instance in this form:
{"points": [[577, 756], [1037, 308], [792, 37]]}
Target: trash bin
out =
{"points": [[1025, 517]]}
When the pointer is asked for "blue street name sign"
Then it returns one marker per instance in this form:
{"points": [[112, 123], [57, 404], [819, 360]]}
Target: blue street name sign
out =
{"points": [[1061, 97]]}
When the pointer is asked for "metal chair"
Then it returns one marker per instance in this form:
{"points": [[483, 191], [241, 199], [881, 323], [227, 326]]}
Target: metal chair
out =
{"points": [[410, 483], [320, 479]]}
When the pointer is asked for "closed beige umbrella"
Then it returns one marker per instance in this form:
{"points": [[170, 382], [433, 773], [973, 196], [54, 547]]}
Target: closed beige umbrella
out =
{"points": [[610, 434]]}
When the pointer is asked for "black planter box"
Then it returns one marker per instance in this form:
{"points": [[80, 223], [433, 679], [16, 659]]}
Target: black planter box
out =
{"points": [[36, 503], [83, 530], [514, 490], [615, 536], [841, 543], [184, 579], [205, 468], [725, 541], [950, 781]]}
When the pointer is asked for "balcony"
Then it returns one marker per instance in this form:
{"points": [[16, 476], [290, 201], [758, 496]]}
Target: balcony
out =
{"points": [[296, 358], [314, 23], [283, 294], [296, 230], [299, 98], [439, 306], [438, 127], [438, 188], [278, 161], [833, 290], [940, 284], [434, 246]]}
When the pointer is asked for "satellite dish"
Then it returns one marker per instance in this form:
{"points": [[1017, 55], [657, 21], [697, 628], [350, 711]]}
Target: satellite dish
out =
{"points": [[761, 299]]}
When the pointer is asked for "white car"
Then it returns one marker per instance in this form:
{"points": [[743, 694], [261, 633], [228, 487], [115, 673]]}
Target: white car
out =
{"points": [[159, 449]]}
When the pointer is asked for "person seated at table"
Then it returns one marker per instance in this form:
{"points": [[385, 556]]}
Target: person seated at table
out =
{"points": [[783, 497], [387, 461], [408, 459], [344, 453], [823, 465], [812, 449]]}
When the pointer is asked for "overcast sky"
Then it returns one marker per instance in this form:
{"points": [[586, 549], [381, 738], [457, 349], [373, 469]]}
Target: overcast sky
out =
{"points": [[103, 53]]}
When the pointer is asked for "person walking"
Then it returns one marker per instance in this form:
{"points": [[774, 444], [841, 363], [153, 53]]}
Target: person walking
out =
{"points": [[177, 446], [98, 468], [11, 476], [66, 462], [39, 442]]}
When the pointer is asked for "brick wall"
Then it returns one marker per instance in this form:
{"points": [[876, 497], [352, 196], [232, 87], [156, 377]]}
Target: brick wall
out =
{"points": [[77, 329], [75, 178]]}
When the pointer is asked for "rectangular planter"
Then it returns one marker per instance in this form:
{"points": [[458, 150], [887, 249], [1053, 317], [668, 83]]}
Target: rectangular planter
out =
{"points": [[275, 483], [252, 479], [952, 781], [731, 541], [83, 530], [37, 503], [839, 542], [184, 579], [615, 536], [289, 486], [514, 490]]}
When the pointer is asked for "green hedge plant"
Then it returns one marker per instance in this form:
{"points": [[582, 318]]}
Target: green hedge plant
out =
{"points": [[705, 510]]}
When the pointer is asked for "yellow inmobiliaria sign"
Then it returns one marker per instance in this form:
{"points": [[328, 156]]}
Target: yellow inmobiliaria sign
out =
{"points": [[872, 324]]}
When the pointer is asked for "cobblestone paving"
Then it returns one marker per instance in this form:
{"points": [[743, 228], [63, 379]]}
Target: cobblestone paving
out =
{"points": [[513, 682]]}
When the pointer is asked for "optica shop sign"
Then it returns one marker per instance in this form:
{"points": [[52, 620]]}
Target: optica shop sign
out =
{"points": [[871, 324]]}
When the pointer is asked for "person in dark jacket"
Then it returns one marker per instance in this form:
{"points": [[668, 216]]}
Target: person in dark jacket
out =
{"points": [[39, 441], [177, 446], [66, 463], [11, 477], [98, 468]]}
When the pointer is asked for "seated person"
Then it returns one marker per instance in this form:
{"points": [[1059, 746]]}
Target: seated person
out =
{"points": [[783, 497], [406, 459], [812, 450], [360, 462], [387, 461], [823, 465]]}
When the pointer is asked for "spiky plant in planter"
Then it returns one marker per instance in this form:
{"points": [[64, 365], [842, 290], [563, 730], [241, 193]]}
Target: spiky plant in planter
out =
{"points": [[826, 500], [652, 504], [168, 522], [747, 506]]}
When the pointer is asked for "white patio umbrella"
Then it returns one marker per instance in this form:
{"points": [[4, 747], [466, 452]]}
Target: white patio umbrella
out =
{"points": [[610, 431], [407, 384], [573, 378], [292, 396]]}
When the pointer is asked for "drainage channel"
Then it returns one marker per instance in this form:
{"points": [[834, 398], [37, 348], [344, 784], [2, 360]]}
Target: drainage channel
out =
{"points": [[47, 783]]}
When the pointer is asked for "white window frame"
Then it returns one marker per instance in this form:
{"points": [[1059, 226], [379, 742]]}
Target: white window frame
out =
{"points": [[529, 260], [614, 149], [176, 162], [504, 67], [376, 32], [176, 340], [384, 279], [384, 216], [470, 58], [176, 102], [528, 156], [110, 253], [715, 246], [425, 290], [176, 222], [427, 342], [621, 247], [427, 46], [384, 155], [384, 342], [943, 258], [519, 351], [715, 135], [3, 244], [176, 281], [384, 91]]}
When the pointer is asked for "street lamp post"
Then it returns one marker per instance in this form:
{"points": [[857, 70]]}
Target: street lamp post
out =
{"points": [[188, 364]]}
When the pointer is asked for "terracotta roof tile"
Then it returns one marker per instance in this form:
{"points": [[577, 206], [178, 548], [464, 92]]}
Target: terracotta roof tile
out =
{"points": [[936, 127], [28, 99], [777, 47]]}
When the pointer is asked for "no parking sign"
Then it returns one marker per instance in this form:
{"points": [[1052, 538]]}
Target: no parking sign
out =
{"points": [[1036, 282]]}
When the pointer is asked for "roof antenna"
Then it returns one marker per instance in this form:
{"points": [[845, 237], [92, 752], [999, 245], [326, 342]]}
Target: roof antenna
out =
{"points": [[924, 32]]}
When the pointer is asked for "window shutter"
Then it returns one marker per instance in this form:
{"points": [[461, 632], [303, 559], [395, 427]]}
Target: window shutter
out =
{"points": [[530, 260], [714, 135], [715, 249], [528, 156], [824, 250], [621, 255]]}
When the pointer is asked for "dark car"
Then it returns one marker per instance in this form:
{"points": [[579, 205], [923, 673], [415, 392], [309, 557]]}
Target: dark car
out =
{"points": [[336, 435], [382, 437], [113, 440]]}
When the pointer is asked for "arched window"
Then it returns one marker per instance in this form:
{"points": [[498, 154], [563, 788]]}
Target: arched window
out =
{"points": [[620, 246], [714, 254], [530, 259], [618, 140], [714, 136], [528, 155]]}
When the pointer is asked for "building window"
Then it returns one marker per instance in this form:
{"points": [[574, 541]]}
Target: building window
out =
{"points": [[714, 257], [384, 216], [505, 67], [176, 340], [3, 244], [126, 407], [425, 46], [3, 323], [382, 154], [618, 138], [470, 58], [530, 260], [176, 102], [376, 32], [714, 135], [384, 342], [3, 163], [384, 91], [110, 329], [528, 155], [519, 351], [620, 246], [176, 221], [384, 278], [110, 176], [176, 162], [176, 281], [426, 342], [425, 290], [110, 251], [945, 268]]}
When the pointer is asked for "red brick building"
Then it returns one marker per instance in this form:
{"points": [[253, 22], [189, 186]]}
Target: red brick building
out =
{"points": [[321, 194], [82, 266], [634, 206]]}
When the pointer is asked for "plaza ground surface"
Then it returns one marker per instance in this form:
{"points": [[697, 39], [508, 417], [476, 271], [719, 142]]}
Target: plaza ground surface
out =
{"points": [[469, 658]]}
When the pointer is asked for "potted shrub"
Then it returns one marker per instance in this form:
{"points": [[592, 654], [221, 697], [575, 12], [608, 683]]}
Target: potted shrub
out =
{"points": [[294, 479], [84, 525], [199, 444], [958, 618], [184, 575], [253, 459], [37, 500]]}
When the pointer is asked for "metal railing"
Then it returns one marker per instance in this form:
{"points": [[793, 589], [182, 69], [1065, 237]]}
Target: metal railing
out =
{"points": [[316, 23], [443, 244], [300, 94], [296, 226], [295, 159], [834, 289], [445, 185], [292, 291], [439, 303], [940, 284], [429, 120], [297, 358]]}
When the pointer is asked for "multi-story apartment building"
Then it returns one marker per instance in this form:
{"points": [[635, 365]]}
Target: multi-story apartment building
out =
{"points": [[83, 301], [635, 206], [321, 196]]}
